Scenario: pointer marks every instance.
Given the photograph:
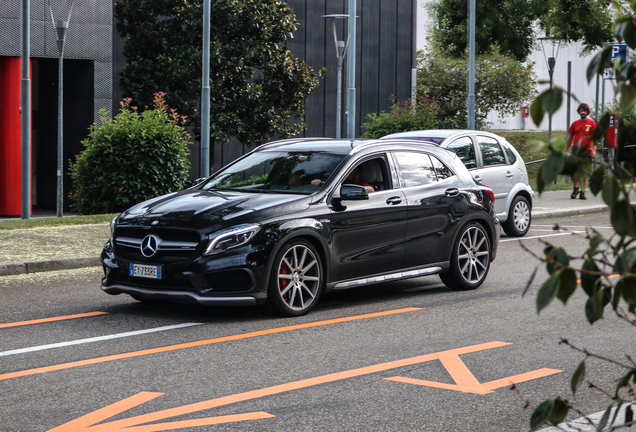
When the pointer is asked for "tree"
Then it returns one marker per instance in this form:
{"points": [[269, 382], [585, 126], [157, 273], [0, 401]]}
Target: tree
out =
{"points": [[502, 84], [605, 256], [130, 158], [510, 24], [257, 86]]}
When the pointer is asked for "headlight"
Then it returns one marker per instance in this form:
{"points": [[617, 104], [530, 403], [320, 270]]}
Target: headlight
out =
{"points": [[231, 238], [112, 227]]}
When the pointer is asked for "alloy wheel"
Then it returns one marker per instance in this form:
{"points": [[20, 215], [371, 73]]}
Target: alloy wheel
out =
{"points": [[299, 277], [473, 255]]}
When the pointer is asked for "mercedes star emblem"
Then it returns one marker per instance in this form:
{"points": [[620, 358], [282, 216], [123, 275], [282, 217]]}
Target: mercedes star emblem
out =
{"points": [[149, 245]]}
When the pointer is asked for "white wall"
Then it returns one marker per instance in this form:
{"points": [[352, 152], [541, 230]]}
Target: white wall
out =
{"points": [[579, 86]]}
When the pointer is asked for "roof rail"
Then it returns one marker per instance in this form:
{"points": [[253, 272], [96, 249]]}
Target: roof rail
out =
{"points": [[282, 142]]}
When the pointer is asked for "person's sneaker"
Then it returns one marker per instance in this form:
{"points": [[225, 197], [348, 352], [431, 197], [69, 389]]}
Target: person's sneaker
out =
{"points": [[575, 192], [582, 196]]}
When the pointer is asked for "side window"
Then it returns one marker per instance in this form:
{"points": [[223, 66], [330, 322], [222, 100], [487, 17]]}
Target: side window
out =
{"points": [[511, 156], [463, 148], [442, 171], [491, 152], [416, 168]]}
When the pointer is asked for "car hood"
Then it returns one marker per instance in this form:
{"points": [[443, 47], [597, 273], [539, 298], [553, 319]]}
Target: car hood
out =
{"points": [[211, 210]]}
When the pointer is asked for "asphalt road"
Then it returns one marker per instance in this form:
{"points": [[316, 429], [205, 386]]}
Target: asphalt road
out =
{"points": [[402, 356]]}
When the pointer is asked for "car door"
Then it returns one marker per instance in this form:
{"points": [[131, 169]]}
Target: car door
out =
{"points": [[432, 191], [493, 170], [368, 235]]}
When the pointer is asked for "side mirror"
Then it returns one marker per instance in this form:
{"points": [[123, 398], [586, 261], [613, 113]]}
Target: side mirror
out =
{"points": [[197, 182], [353, 192]]}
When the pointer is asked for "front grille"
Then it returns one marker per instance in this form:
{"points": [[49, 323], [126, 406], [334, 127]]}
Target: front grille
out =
{"points": [[172, 246]]}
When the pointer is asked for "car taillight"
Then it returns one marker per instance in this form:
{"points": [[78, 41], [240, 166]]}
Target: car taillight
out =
{"points": [[490, 194]]}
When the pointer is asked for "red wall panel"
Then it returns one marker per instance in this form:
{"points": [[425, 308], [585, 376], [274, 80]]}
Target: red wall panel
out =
{"points": [[10, 137]]}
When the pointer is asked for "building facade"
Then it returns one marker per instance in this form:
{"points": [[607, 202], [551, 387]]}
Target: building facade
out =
{"points": [[88, 78], [93, 59]]}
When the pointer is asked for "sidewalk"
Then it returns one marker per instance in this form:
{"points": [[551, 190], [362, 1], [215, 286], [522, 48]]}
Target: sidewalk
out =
{"points": [[68, 247]]}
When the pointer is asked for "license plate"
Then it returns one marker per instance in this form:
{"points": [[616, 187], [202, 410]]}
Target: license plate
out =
{"points": [[145, 271]]}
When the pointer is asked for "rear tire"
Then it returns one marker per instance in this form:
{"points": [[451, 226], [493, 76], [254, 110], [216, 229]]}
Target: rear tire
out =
{"points": [[296, 280], [519, 218], [470, 260]]}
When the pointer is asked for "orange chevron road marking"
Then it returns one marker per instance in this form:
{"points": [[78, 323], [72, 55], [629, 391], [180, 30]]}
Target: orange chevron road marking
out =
{"points": [[465, 382]]}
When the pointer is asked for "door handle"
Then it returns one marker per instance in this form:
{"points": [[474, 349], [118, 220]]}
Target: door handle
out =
{"points": [[509, 174], [478, 179], [394, 200], [452, 192]]}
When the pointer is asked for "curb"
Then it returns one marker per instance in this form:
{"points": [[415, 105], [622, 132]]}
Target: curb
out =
{"points": [[12, 269], [569, 212]]}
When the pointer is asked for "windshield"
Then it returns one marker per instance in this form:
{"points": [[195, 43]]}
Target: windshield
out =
{"points": [[277, 172]]}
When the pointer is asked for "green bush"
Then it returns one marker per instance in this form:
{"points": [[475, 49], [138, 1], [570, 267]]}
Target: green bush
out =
{"points": [[402, 118], [130, 158]]}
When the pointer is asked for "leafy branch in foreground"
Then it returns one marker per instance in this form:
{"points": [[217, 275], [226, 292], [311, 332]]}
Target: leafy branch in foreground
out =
{"points": [[606, 271]]}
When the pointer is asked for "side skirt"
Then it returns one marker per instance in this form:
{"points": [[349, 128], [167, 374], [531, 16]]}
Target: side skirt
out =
{"points": [[379, 278]]}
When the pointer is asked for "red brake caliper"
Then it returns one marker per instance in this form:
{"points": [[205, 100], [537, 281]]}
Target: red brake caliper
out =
{"points": [[283, 282]]}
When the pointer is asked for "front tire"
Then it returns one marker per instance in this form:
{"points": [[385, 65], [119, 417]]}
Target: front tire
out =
{"points": [[470, 260], [296, 279], [519, 218]]}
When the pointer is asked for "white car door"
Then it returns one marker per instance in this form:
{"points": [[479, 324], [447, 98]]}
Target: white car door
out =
{"points": [[493, 171]]}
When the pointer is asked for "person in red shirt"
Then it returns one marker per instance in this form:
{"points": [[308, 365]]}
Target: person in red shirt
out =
{"points": [[580, 135]]}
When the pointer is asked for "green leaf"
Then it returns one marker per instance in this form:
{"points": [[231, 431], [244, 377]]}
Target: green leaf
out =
{"points": [[594, 306], [611, 189], [548, 291], [592, 67], [578, 377], [595, 241], [541, 414], [530, 280], [552, 167], [628, 96], [596, 181], [540, 182], [628, 289], [537, 111], [560, 257], [622, 217], [567, 284], [552, 100], [603, 422], [618, 294], [559, 411]]}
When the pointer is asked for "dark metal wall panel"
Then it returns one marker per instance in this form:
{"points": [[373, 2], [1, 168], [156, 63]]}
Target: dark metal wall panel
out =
{"points": [[369, 69], [387, 85], [404, 53], [315, 46]]}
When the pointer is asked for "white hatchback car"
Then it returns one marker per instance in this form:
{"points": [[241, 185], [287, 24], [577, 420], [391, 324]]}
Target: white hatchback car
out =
{"points": [[494, 162]]}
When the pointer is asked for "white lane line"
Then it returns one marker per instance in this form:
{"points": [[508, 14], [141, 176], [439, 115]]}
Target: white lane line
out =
{"points": [[582, 425], [543, 236], [571, 226], [96, 339]]}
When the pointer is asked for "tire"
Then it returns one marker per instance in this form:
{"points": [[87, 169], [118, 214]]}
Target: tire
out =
{"points": [[296, 280], [519, 218], [470, 260]]}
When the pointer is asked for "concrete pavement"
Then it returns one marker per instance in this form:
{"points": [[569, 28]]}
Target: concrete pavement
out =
{"points": [[68, 247]]}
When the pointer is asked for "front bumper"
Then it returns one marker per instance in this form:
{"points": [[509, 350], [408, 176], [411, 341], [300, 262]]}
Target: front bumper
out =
{"points": [[236, 278]]}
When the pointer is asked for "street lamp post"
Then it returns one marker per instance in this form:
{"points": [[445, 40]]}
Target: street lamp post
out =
{"points": [[551, 62], [205, 93], [25, 114], [61, 28], [341, 52]]}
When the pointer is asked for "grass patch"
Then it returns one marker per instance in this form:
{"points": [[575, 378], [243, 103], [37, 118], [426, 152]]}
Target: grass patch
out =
{"points": [[12, 224], [523, 141]]}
